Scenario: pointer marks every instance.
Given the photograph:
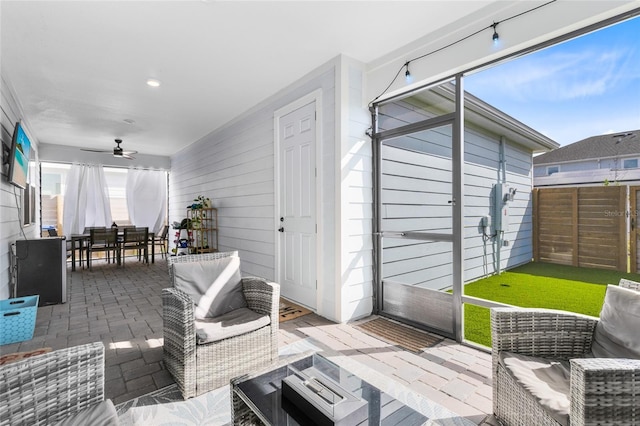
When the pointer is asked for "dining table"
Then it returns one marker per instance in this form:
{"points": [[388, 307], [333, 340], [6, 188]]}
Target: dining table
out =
{"points": [[78, 242]]}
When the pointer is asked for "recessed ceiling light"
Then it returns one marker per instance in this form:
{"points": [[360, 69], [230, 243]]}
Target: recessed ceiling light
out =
{"points": [[129, 121], [153, 82]]}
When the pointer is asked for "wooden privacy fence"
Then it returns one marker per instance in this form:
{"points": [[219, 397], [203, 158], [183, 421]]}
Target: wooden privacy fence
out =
{"points": [[582, 226]]}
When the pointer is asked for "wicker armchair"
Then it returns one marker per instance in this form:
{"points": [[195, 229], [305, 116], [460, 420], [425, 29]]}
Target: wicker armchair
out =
{"points": [[603, 391], [49, 388], [633, 285], [199, 368]]}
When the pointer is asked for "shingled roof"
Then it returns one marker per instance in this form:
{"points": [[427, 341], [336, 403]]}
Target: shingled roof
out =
{"points": [[603, 146]]}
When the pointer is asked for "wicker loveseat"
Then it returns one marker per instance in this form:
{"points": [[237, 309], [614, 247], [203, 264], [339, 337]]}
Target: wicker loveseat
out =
{"points": [[198, 366], [64, 387], [559, 350]]}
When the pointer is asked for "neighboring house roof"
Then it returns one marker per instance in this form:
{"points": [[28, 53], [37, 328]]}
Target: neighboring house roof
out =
{"points": [[621, 144]]}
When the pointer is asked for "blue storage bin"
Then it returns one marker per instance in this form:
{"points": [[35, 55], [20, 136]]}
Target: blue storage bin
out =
{"points": [[18, 319]]}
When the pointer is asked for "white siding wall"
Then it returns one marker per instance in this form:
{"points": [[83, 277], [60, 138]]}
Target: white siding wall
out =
{"points": [[10, 113], [356, 196], [541, 171], [585, 165], [234, 166], [479, 179], [416, 190], [611, 169]]}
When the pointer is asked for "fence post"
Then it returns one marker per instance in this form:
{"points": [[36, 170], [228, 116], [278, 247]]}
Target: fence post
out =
{"points": [[633, 222], [622, 230], [536, 225], [575, 232]]}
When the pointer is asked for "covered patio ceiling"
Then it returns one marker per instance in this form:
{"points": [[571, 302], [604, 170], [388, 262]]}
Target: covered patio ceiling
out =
{"points": [[79, 68]]}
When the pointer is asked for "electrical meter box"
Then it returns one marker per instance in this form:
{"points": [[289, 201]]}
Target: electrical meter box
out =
{"points": [[501, 206]]}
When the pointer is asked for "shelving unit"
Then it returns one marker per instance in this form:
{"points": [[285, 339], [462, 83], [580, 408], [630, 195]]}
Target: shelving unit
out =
{"points": [[182, 241], [204, 228]]}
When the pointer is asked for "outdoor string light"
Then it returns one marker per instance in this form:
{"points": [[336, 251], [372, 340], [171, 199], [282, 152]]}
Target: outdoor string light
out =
{"points": [[495, 37], [407, 75]]}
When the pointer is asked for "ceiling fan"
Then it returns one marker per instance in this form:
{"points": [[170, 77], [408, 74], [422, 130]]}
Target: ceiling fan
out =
{"points": [[117, 151]]}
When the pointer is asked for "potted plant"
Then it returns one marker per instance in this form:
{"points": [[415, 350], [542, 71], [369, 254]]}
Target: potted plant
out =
{"points": [[201, 202]]}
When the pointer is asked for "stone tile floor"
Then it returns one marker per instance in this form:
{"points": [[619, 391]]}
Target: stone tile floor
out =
{"points": [[122, 307]]}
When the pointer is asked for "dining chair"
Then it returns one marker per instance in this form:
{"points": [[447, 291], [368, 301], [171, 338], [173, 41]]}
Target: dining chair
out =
{"points": [[87, 229], [121, 231], [161, 240], [135, 239], [105, 240]]}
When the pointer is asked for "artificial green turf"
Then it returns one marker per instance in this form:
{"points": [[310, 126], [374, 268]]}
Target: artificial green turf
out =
{"points": [[538, 285]]}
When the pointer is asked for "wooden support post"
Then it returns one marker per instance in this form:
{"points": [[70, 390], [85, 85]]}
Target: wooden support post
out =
{"points": [[575, 234]]}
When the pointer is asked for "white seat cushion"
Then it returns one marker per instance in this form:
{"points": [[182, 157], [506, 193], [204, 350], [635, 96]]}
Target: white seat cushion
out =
{"points": [[102, 414], [546, 380], [617, 333], [214, 285], [234, 323]]}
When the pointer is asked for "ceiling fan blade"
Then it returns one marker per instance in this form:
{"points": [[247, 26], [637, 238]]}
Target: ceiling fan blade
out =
{"points": [[117, 151], [94, 150]]}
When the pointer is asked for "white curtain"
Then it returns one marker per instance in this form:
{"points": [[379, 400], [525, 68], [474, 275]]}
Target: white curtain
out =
{"points": [[86, 199], [147, 198]]}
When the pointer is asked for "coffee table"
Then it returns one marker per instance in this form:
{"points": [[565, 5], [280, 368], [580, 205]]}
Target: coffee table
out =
{"points": [[257, 398]]}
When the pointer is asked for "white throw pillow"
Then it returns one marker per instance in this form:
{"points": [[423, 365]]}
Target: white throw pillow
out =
{"points": [[214, 285], [617, 333]]}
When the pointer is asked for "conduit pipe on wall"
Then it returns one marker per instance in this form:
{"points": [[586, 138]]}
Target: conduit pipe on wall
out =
{"points": [[502, 180]]}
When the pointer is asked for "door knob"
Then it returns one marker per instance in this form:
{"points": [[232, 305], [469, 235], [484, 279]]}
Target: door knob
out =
{"points": [[281, 229]]}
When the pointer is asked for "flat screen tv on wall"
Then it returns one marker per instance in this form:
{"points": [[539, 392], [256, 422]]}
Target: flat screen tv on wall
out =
{"points": [[19, 157]]}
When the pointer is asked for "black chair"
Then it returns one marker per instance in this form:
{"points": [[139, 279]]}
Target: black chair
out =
{"points": [[102, 239], [162, 240], [87, 229], [135, 239]]}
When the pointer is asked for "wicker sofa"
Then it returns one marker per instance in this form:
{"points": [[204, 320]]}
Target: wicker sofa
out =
{"points": [[61, 387], [600, 391], [201, 367]]}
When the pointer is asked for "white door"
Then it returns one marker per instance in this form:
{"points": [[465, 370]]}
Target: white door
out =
{"points": [[297, 224]]}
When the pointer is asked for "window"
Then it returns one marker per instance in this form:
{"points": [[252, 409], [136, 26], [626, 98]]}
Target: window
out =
{"points": [[117, 182], [54, 176], [52, 188], [631, 163], [552, 169]]}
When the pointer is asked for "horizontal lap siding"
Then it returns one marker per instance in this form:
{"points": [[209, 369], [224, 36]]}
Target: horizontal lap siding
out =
{"points": [[481, 173], [582, 226], [415, 195], [11, 196], [355, 197], [234, 166]]}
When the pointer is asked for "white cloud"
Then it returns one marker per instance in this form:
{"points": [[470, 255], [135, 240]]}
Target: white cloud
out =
{"points": [[557, 76]]}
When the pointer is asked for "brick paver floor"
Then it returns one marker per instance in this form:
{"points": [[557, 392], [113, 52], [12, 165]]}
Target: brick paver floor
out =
{"points": [[122, 307]]}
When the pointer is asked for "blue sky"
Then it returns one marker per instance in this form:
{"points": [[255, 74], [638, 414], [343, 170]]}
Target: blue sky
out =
{"points": [[583, 87]]}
